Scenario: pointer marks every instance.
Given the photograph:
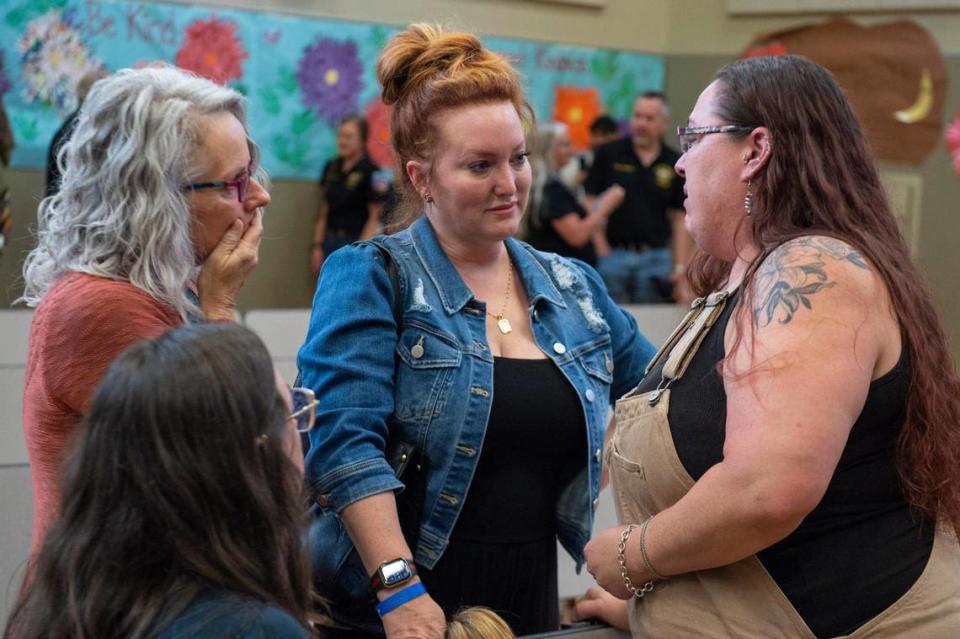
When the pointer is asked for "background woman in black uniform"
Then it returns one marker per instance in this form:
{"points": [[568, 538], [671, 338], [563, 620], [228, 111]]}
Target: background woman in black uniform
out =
{"points": [[349, 205], [558, 221]]}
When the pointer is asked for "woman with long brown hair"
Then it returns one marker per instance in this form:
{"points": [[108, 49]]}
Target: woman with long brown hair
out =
{"points": [[800, 436], [184, 515]]}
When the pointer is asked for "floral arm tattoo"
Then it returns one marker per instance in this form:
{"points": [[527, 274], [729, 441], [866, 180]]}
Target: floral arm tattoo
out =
{"points": [[794, 272]]}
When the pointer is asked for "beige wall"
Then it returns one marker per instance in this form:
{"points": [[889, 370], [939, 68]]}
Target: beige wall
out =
{"points": [[639, 25], [703, 27]]}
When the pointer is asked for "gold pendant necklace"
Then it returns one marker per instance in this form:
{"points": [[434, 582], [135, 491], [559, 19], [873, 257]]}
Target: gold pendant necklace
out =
{"points": [[502, 322]]}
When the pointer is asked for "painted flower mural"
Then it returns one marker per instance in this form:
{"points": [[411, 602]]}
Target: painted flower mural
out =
{"points": [[577, 108], [378, 142], [953, 141], [212, 49], [331, 78], [53, 58]]}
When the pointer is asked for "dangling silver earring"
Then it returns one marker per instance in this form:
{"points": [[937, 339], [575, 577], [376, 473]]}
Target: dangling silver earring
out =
{"points": [[748, 201]]}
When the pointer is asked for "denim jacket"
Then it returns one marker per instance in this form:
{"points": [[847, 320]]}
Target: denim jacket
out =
{"points": [[430, 383]]}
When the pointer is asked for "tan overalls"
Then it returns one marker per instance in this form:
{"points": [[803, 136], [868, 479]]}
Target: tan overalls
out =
{"points": [[741, 599]]}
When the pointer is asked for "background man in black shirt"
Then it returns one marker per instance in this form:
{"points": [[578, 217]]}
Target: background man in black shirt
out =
{"points": [[645, 246]]}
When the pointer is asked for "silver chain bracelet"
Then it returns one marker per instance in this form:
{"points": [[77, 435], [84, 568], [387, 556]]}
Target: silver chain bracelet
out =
{"points": [[622, 560]]}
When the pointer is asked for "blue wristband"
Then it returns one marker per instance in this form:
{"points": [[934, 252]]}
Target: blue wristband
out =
{"points": [[400, 597]]}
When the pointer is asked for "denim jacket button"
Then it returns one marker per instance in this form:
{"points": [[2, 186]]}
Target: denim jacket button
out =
{"points": [[596, 502], [323, 500], [597, 455], [559, 348], [417, 349], [589, 395]]}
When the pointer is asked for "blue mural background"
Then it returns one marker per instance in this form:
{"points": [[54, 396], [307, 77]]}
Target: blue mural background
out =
{"points": [[300, 74]]}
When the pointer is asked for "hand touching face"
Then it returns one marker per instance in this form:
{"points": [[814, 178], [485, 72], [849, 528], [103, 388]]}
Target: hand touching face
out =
{"points": [[223, 156]]}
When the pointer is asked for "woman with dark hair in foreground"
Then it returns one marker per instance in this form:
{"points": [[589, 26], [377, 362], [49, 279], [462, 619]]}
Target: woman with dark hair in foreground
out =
{"points": [[796, 473], [184, 514]]}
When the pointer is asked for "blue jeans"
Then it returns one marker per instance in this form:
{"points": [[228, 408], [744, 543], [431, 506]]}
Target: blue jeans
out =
{"points": [[636, 278]]}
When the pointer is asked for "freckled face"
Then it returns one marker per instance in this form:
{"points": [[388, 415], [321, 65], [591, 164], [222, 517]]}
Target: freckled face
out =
{"points": [[479, 175], [223, 155]]}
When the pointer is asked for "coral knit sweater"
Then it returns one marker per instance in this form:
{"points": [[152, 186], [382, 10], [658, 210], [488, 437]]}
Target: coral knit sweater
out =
{"points": [[79, 327]]}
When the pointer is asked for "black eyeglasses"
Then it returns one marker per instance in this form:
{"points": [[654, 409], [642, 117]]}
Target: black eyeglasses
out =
{"points": [[690, 134], [304, 409], [241, 184]]}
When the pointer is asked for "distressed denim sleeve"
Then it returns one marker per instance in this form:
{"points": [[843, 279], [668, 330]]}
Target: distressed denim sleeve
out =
{"points": [[631, 349], [348, 361]]}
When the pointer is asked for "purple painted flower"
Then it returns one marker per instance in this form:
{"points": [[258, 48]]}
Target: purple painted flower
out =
{"points": [[4, 80], [331, 78]]}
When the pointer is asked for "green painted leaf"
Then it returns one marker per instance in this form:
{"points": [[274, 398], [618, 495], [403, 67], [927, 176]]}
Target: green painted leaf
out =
{"points": [[302, 122], [604, 64], [279, 146], [621, 100], [298, 154], [288, 80], [25, 128], [271, 101], [378, 35], [27, 11]]}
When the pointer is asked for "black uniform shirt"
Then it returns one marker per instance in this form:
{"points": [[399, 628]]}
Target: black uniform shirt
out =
{"points": [[650, 191], [348, 195]]}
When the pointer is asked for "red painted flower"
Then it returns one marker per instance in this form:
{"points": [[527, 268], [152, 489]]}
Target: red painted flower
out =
{"points": [[212, 49], [378, 142], [953, 141], [577, 108]]}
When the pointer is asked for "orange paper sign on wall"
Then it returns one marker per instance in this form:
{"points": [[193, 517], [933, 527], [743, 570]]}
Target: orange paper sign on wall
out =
{"points": [[577, 108]]}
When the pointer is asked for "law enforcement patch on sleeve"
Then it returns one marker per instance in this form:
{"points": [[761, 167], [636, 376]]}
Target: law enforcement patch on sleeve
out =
{"points": [[663, 174]]}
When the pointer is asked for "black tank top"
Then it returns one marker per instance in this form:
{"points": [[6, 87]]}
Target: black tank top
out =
{"points": [[535, 444], [862, 547]]}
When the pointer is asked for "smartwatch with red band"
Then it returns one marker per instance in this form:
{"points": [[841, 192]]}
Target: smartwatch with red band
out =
{"points": [[392, 573]]}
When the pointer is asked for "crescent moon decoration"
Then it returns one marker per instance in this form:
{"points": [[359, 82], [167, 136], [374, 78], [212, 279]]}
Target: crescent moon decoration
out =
{"points": [[921, 108]]}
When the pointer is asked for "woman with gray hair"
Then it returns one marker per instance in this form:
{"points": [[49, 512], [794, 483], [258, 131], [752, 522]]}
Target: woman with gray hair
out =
{"points": [[557, 221], [157, 223]]}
